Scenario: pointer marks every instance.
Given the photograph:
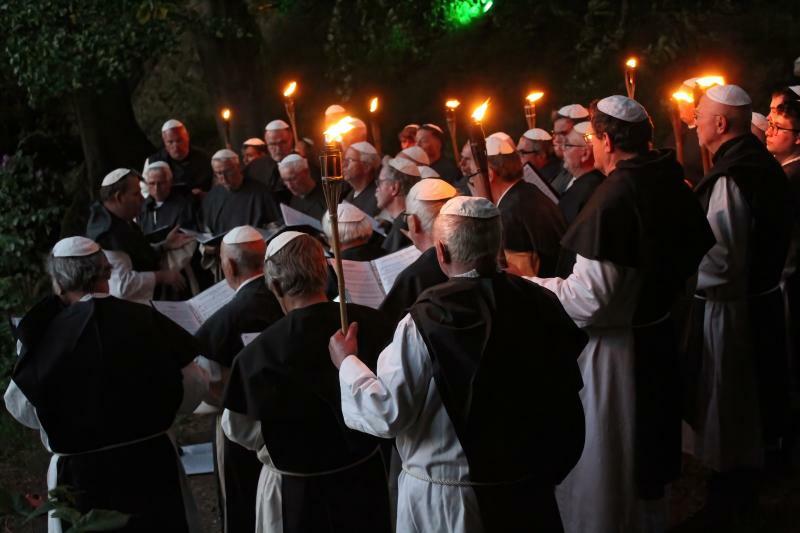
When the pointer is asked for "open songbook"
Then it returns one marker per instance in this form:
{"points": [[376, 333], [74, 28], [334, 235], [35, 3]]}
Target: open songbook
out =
{"points": [[530, 175], [293, 217], [191, 314], [368, 282]]}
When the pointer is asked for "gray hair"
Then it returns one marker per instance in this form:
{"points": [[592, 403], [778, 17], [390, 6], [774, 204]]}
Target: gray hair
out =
{"points": [[161, 166], [298, 268], [425, 210], [248, 256], [470, 240], [406, 181], [348, 231], [78, 274]]}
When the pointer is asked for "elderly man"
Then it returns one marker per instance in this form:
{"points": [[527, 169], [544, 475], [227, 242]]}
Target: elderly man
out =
{"points": [[279, 144], [430, 138], [532, 223], [565, 119], [282, 400], [396, 179], [408, 136], [536, 147], [252, 149], [252, 310], [361, 164], [473, 460], [161, 208], [307, 195], [355, 234], [102, 379], [235, 200], [423, 203], [189, 166], [637, 242], [135, 263], [740, 398]]}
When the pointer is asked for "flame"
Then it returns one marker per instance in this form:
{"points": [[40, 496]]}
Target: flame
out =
{"points": [[452, 104], [226, 114], [683, 96], [632, 62], [290, 89], [335, 132], [534, 96], [707, 81], [373, 105], [477, 115]]}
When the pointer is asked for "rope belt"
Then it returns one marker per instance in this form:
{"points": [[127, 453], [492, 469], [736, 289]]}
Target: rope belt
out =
{"points": [[746, 297], [458, 483], [272, 468], [630, 326], [112, 446]]}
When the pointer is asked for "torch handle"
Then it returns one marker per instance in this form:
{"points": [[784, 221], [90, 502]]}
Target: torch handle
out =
{"points": [[376, 136], [451, 127], [477, 143], [290, 112], [530, 116], [337, 257], [677, 133]]}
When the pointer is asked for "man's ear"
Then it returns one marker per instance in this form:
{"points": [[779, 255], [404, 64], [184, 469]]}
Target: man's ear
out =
{"points": [[608, 145], [414, 225], [442, 253], [394, 188]]}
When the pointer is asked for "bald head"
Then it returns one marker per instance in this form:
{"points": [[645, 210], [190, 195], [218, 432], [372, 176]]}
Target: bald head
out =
{"points": [[717, 123]]}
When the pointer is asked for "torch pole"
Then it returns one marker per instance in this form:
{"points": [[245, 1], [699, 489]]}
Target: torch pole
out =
{"points": [[477, 143], [289, 104], [675, 118], [450, 114], [705, 155], [530, 115], [376, 134], [332, 185]]}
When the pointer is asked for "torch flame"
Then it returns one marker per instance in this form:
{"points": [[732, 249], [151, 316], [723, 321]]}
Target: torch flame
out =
{"points": [[226, 114], [477, 115], [632, 62], [534, 96], [452, 104], [335, 132], [373, 105], [683, 96], [290, 89], [707, 81]]}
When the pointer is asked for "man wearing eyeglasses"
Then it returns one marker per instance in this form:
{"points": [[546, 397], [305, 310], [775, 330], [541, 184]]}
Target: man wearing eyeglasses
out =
{"points": [[536, 147], [738, 397], [565, 119]]}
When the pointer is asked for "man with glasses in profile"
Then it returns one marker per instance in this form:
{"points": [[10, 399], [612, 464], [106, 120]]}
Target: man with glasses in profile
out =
{"points": [[536, 147], [563, 122]]}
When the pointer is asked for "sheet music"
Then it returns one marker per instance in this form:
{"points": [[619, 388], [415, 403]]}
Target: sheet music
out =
{"points": [[210, 300], [202, 238], [293, 217], [361, 283], [531, 176], [389, 266], [247, 338], [181, 313]]}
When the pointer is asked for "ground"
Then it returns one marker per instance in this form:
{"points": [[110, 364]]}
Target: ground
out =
{"points": [[23, 463]]}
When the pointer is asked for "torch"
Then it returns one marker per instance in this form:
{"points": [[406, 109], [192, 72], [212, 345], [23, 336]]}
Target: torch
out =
{"points": [[373, 124], [332, 184], [701, 85], [681, 98], [226, 118], [630, 76], [288, 102], [530, 108], [450, 113], [477, 143]]}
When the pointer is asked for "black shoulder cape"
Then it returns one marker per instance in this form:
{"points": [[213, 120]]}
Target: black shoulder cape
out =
{"points": [[114, 234], [423, 273]]}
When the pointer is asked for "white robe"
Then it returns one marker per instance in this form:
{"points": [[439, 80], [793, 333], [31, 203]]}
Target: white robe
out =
{"points": [[402, 401], [599, 495], [729, 425], [126, 283]]}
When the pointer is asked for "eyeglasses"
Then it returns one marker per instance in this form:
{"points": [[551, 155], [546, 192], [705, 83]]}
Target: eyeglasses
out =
{"points": [[565, 145], [527, 152], [587, 137], [771, 126]]}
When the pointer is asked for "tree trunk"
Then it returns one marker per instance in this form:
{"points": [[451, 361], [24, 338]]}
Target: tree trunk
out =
{"points": [[233, 69]]}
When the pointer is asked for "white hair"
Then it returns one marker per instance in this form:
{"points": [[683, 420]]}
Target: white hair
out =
{"points": [[291, 165], [160, 166], [225, 155], [469, 240], [348, 231], [425, 210]]}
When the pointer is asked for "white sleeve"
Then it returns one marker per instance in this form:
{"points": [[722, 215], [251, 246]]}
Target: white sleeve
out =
{"points": [[242, 430], [127, 283], [729, 217], [385, 404], [587, 291], [195, 387], [20, 407]]}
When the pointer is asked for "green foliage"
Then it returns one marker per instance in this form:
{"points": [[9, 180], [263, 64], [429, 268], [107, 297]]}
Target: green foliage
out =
{"points": [[61, 500], [55, 47]]}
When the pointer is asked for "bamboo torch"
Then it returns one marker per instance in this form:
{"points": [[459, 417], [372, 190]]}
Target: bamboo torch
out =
{"points": [[374, 125], [226, 119], [288, 102], [701, 85], [530, 108], [630, 76], [332, 184], [680, 98], [450, 113], [477, 143]]}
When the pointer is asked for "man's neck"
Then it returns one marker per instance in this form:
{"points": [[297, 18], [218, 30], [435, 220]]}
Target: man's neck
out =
{"points": [[354, 244], [396, 206], [584, 170], [290, 303], [714, 146], [499, 188], [614, 158], [116, 210], [360, 183], [423, 242], [237, 282]]}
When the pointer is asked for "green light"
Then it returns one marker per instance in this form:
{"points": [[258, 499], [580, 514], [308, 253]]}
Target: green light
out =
{"points": [[462, 12]]}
